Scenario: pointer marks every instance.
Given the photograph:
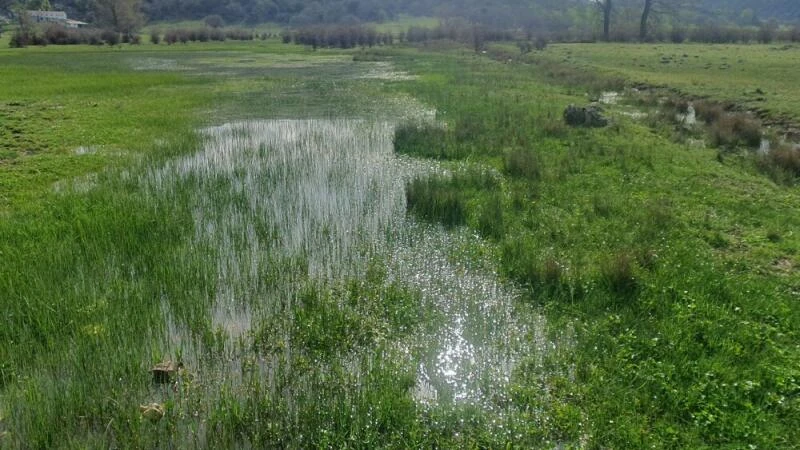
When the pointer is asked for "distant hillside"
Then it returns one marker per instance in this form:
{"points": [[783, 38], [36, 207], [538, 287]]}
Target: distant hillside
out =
{"points": [[545, 15], [550, 14], [782, 10]]}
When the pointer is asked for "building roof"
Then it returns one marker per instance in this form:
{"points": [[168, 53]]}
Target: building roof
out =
{"points": [[60, 15]]}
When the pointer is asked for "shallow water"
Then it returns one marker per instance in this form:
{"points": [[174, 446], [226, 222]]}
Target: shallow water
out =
{"points": [[609, 97], [689, 118], [471, 355], [281, 202]]}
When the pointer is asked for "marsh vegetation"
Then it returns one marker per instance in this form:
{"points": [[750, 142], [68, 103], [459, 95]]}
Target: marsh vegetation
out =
{"points": [[372, 249]]}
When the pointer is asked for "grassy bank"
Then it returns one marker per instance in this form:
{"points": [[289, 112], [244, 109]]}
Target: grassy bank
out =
{"points": [[757, 77], [677, 271]]}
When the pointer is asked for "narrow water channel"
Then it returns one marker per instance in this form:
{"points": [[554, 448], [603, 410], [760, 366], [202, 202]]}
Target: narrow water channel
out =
{"points": [[285, 203]]}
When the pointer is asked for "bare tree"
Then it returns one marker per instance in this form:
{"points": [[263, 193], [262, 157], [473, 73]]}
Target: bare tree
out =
{"points": [[123, 16], [648, 6], [652, 7], [606, 6]]}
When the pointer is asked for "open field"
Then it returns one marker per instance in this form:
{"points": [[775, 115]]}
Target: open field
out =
{"points": [[758, 77], [379, 252]]}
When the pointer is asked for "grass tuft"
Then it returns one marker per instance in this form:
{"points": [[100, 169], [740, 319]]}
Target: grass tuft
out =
{"points": [[782, 164], [436, 199], [523, 163], [617, 273], [736, 129], [424, 141]]}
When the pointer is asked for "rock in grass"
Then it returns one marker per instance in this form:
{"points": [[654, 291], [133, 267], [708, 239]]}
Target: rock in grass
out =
{"points": [[588, 116], [164, 372], [152, 412]]}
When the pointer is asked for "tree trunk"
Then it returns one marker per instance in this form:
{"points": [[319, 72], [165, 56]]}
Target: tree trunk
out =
{"points": [[607, 20], [648, 4]]}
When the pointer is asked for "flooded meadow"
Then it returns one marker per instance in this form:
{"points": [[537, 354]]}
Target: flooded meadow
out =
{"points": [[324, 283]]}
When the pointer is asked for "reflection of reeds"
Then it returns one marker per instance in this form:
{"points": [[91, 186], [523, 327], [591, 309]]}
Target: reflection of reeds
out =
{"points": [[311, 188]]}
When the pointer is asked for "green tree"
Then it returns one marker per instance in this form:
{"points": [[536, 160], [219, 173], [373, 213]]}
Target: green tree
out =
{"points": [[38, 5]]}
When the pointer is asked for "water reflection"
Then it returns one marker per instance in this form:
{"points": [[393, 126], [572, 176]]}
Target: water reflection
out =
{"points": [[284, 200]]}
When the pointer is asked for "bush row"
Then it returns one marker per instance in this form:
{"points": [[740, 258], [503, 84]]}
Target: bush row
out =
{"points": [[471, 34], [360, 36], [338, 37], [59, 35], [477, 35], [201, 34]]}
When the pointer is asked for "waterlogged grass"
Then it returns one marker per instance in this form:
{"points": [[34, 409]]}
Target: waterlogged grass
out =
{"points": [[346, 337], [273, 258], [117, 101]]}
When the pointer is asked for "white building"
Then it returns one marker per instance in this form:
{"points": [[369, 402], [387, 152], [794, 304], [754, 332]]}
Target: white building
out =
{"points": [[59, 17]]}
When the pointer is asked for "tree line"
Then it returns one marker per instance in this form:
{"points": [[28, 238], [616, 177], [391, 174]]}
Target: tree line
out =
{"points": [[558, 20], [549, 15]]}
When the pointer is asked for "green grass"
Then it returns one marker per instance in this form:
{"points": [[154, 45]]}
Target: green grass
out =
{"points": [[667, 275], [659, 255], [759, 77]]}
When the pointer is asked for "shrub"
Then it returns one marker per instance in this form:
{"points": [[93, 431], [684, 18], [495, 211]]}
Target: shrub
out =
{"points": [[782, 164], [602, 206], [676, 104], [435, 199], [523, 163], [617, 273], [787, 158], [715, 34], [171, 37], [524, 46], [423, 140], [677, 35], [239, 35], [736, 129], [55, 34], [554, 128], [109, 37], [491, 222], [544, 276], [19, 39], [708, 111], [794, 34], [767, 32], [155, 37]]}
